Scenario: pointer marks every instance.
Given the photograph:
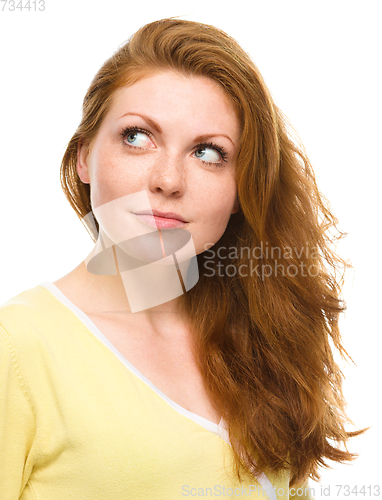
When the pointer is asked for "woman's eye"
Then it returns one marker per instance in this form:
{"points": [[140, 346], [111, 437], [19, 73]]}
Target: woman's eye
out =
{"points": [[209, 155], [138, 139]]}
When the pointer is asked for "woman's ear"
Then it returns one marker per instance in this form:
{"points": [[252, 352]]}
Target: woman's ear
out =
{"points": [[82, 163]]}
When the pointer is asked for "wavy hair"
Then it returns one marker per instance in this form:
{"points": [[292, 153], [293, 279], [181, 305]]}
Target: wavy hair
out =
{"points": [[264, 339]]}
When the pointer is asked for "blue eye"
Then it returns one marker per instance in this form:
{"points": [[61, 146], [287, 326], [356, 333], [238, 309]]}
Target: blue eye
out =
{"points": [[210, 158], [135, 137], [217, 157]]}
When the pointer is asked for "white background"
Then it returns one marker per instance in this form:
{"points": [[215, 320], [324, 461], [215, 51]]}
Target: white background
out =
{"points": [[322, 63]]}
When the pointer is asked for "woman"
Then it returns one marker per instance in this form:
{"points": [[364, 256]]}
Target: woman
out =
{"points": [[230, 385]]}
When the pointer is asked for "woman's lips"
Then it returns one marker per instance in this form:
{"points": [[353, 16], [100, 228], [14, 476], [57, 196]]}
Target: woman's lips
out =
{"points": [[160, 222]]}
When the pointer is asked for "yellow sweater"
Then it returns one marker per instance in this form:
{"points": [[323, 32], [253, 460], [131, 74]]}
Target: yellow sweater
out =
{"points": [[78, 421]]}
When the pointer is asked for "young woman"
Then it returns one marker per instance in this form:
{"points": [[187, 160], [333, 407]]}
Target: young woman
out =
{"points": [[126, 378]]}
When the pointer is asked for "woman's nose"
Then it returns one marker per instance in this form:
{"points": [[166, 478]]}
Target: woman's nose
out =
{"points": [[168, 175]]}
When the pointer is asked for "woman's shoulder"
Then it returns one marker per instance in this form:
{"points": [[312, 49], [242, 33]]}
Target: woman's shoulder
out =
{"points": [[24, 306], [31, 315], [22, 325]]}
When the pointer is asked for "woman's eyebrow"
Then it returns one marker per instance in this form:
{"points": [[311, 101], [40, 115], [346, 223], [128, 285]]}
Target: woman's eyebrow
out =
{"points": [[158, 129], [204, 137], [151, 122]]}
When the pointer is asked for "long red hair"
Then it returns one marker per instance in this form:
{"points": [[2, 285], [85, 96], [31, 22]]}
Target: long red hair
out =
{"points": [[264, 337]]}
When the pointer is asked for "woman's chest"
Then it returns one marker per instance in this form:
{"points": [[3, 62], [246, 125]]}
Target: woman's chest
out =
{"points": [[168, 364]]}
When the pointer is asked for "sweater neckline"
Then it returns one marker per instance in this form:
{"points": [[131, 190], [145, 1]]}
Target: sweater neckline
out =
{"points": [[218, 429]]}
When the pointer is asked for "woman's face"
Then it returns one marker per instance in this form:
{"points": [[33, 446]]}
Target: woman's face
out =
{"points": [[179, 124]]}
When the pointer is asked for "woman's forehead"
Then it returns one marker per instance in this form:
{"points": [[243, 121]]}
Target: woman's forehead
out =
{"points": [[168, 94]]}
